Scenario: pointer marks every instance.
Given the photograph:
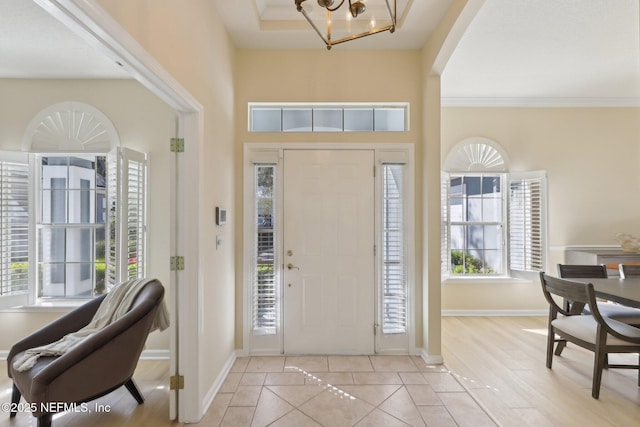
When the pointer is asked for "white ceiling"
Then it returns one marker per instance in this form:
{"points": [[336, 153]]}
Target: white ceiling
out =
{"points": [[572, 50], [276, 24], [35, 45], [578, 50]]}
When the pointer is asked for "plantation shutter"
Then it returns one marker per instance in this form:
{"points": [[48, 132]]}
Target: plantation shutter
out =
{"points": [[444, 224], [134, 189], [527, 232], [14, 226], [265, 299], [126, 199], [112, 277], [394, 253]]}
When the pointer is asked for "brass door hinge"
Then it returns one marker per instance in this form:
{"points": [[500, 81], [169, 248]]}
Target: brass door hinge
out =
{"points": [[176, 263], [177, 145], [176, 382]]}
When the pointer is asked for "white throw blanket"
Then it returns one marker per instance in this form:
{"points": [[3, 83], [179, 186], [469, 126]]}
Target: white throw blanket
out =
{"points": [[115, 305]]}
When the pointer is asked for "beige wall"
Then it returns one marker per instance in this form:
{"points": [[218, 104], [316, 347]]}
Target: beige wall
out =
{"points": [[322, 76], [592, 159], [191, 43], [142, 122]]}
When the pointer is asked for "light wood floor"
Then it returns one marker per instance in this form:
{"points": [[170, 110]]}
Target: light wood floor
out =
{"points": [[500, 360], [116, 409]]}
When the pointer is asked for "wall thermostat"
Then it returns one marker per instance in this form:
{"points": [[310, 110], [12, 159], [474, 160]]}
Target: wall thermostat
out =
{"points": [[221, 216]]}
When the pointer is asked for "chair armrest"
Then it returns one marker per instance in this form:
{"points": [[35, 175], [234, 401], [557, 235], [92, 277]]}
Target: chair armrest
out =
{"points": [[70, 322]]}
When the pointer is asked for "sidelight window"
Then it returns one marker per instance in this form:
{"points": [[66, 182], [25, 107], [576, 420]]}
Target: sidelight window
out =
{"points": [[265, 286], [394, 264]]}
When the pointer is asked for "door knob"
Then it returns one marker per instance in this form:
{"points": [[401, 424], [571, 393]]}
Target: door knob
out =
{"points": [[292, 267]]}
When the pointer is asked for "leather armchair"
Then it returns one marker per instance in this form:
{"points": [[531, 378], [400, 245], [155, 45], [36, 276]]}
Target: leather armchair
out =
{"points": [[101, 363]]}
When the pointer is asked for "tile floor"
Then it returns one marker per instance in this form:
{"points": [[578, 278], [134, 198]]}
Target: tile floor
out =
{"points": [[336, 391]]}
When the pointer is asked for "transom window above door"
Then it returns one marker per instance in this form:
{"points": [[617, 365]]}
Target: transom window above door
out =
{"points": [[325, 117]]}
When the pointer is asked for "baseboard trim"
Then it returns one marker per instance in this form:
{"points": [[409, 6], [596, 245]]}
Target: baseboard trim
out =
{"points": [[146, 355], [431, 360], [155, 355], [207, 400], [494, 313]]}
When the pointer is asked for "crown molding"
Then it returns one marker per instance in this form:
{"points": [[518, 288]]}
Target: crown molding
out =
{"points": [[541, 102]]}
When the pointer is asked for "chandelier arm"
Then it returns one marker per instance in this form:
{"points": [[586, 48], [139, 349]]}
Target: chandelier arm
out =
{"points": [[337, 7]]}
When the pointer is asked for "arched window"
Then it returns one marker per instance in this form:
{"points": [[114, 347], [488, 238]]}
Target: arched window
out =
{"points": [[81, 200], [70, 127], [477, 155], [493, 220]]}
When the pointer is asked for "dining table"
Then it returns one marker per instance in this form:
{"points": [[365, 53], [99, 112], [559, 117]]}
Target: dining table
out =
{"points": [[623, 291]]}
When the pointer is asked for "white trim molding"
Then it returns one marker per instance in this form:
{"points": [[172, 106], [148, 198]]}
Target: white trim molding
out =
{"points": [[431, 360], [208, 397], [272, 152], [158, 354], [95, 26], [494, 313], [542, 102]]}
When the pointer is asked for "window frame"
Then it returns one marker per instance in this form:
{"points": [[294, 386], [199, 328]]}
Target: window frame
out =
{"points": [[39, 189], [394, 342], [312, 108], [393, 252], [31, 297], [261, 341], [480, 156], [273, 327], [502, 224]]}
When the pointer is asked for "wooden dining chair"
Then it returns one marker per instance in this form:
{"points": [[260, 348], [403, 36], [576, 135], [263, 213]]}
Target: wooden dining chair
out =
{"points": [[629, 270], [580, 271], [591, 331]]}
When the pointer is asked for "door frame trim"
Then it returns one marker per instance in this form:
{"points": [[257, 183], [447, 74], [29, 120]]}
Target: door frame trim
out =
{"points": [[257, 150], [92, 24]]}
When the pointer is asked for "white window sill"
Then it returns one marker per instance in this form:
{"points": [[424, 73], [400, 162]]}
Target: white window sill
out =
{"points": [[59, 306], [502, 280]]}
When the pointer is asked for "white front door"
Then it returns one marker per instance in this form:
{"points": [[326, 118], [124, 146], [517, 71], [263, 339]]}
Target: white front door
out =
{"points": [[329, 262]]}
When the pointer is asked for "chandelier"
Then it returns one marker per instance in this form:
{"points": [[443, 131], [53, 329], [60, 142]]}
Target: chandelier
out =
{"points": [[359, 20]]}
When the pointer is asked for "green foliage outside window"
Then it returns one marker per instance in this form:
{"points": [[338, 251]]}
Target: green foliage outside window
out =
{"points": [[101, 267], [100, 273], [20, 274], [467, 264]]}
